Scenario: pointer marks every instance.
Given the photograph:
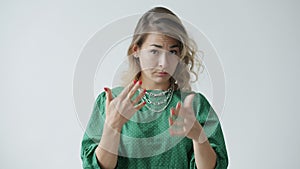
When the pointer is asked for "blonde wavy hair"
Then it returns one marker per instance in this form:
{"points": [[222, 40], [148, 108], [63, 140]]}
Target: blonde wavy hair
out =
{"points": [[162, 20]]}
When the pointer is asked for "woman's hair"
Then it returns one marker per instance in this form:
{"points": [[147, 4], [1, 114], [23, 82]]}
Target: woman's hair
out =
{"points": [[163, 21]]}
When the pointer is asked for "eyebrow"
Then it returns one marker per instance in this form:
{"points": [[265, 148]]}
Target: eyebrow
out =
{"points": [[159, 46]]}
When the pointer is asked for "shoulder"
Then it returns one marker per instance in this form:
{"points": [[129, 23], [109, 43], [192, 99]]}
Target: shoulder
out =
{"points": [[100, 100], [201, 99], [201, 104], [115, 92], [198, 97]]}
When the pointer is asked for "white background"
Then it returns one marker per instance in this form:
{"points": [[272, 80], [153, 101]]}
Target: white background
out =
{"points": [[257, 42]]}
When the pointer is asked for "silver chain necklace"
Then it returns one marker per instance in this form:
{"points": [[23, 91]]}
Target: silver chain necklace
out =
{"points": [[164, 97]]}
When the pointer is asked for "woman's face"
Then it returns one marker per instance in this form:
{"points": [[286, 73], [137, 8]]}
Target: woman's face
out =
{"points": [[159, 56]]}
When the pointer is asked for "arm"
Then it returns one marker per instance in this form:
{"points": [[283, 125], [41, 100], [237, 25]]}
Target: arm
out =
{"points": [[100, 142], [107, 150], [209, 150], [118, 111], [205, 155], [213, 134]]}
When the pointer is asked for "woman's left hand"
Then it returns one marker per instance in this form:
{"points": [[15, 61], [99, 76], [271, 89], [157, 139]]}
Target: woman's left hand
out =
{"points": [[183, 122]]}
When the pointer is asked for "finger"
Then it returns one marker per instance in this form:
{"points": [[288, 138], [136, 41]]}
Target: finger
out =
{"points": [[175, 122], [126, 90], [139, 106], [172, 112], [178, 118], [176, 111], [178, 106], [188, 101], [170, 121], [134, 89], [139, 97], [174, 116], [109, 96]]}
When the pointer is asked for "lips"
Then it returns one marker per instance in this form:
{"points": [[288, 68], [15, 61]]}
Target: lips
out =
{"points": [[162, 73]]}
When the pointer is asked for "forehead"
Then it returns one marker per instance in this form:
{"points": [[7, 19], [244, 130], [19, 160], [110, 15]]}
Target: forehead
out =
{"points": [[160, 39]]}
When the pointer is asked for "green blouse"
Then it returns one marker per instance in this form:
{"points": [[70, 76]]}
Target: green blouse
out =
{"points": [[145, 139]]}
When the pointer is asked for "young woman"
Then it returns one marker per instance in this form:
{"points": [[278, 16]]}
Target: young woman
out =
{"points": [[155, 120]]}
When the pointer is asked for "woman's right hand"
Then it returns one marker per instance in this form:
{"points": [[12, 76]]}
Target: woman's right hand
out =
{"points": [[120, 109]]}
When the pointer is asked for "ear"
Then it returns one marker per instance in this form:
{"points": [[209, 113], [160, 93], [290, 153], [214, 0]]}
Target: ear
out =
{"points": [[135, 49]]}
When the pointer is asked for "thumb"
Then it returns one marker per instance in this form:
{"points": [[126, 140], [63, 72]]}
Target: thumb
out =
{"points": [[109, 96], [188, 101]]}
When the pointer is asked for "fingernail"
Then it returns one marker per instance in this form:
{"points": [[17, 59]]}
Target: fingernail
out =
{"points": [[106, 89], [140, 82], [144, 103], [173, 112], [144, 90], [134, 82]]}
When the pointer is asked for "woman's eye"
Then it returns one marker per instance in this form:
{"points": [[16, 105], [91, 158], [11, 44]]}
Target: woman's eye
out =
{"points": [[153, 51], [173, 52]]}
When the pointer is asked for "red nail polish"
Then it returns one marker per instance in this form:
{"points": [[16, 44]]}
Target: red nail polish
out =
{"points": [[106, 89], [140, 82], [134, 82], [144, 103], [144, 90], [173, 112]]}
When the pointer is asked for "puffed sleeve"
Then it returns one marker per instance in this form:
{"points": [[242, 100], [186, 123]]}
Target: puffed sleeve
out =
{"points": [[212, 127], [92, 134]]}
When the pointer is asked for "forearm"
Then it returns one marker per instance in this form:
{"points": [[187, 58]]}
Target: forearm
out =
{"points": [[106, 159], [205, 155], [107, 150]]}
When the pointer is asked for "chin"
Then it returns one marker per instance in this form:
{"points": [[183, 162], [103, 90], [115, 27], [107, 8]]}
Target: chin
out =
{"points": [[160, 80]]}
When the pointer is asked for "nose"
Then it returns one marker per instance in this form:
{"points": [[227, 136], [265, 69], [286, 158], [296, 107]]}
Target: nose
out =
{"points": [[163, 61]]}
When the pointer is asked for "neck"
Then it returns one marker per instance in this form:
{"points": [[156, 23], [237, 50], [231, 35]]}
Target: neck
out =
{"points": [[151, 85]]}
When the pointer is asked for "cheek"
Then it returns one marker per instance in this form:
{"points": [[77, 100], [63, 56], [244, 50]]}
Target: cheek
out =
{"points": [[147, 63], [172, 68], [172, 64]]}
